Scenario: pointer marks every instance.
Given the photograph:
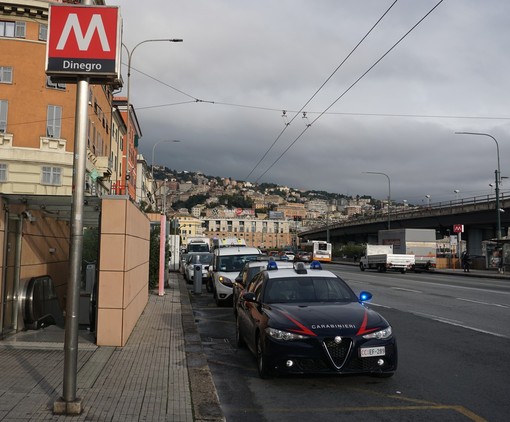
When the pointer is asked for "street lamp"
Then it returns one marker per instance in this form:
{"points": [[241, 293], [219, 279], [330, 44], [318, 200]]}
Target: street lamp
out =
{"points": [[128, 119], [456, 192], [428, 200], [497, 178], [154, 147], [389, 192]]}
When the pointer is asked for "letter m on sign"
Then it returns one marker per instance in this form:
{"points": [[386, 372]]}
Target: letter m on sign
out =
{"points": [[83, 40], [73, 25]]}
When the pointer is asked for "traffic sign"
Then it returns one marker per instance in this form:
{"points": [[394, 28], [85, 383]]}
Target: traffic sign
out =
{"points": [[84, 41], [458, 228]]}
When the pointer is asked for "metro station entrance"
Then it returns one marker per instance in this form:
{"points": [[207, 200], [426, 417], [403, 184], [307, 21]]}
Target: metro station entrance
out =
{"points": [[10, 285]]}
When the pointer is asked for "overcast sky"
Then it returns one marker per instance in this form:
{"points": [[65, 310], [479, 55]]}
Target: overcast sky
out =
{"points": [[222, 92]]}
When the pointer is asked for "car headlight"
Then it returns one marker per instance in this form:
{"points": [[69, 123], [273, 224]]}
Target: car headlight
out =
{"points": [[225, 281], [284, 335], [381, 334]]}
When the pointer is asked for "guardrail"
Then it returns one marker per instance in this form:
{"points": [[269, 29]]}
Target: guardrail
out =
{"points": [[445, 207]]}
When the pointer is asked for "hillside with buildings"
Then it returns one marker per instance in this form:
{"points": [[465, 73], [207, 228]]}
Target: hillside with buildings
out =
{"points": [[266, 215]]}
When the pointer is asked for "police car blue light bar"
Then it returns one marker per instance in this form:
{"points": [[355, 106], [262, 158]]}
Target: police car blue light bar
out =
{"points": [[315, 265], [271, 265]]}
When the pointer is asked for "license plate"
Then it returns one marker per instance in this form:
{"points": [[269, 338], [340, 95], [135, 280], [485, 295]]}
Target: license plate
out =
{"points": [[367, 352]]}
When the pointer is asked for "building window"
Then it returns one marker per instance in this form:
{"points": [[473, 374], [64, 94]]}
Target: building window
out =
{"points": [[43, 32], [3, 172], [54, 85], [3, 116], [54, 121], [51, 176], [12, 29], [5, 75]]}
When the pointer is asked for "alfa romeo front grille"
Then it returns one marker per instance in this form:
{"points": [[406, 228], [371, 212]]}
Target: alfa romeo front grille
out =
{"points": [[337, 352]]}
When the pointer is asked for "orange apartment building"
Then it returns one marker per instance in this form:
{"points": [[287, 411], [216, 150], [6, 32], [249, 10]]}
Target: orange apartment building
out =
{"points": [[37, 117], [37, 124]]}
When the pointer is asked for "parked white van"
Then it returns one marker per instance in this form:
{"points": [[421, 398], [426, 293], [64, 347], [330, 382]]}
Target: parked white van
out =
{"points": [[227, 263]]}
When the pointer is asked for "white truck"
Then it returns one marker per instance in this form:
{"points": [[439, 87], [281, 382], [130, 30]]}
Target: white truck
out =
{"points": [[419, 242], [198, 244], [225, 242], [382, 258], [193, 244]]}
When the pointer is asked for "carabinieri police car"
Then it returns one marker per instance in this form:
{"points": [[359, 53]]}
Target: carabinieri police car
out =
{"points": [[308, 320]]}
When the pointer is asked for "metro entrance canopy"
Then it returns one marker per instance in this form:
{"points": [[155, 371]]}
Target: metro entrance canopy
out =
{"points": [[58, 206]]}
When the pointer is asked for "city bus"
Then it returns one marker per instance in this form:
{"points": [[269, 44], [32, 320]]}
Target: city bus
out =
{"points": [[320, 250]]}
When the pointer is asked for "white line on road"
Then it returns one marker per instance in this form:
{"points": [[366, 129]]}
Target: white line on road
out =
{"points": [[406, 290], [483, 303], [472, 328], [458, 324], [448, 321]]}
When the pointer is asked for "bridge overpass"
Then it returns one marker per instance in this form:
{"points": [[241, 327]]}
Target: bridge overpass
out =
{"points": [[477, 214]]}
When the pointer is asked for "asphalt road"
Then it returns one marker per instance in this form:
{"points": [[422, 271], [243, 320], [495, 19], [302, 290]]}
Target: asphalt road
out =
{"points": [[453, 339]]}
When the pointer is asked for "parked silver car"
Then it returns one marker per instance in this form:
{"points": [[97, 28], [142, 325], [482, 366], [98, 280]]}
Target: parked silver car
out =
{"points": [[204, 259]]}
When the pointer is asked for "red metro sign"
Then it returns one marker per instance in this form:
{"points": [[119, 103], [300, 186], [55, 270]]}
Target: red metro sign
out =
{"points": [[84, 41], [458, 228]]}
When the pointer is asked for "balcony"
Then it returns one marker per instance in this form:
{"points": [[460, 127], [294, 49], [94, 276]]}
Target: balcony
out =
{"points": [[103, 165], [53, 144]]}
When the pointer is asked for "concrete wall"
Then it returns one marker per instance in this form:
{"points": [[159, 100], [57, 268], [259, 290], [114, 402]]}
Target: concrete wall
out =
{"points": [[124, 270]]}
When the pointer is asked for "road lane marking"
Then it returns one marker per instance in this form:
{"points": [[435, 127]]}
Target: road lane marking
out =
{"points": [[479, 302], [445, 321], [458, 324], [406, 290]]}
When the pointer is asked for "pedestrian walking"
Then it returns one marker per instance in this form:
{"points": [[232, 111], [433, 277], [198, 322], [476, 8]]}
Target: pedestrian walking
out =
{"points": [[466, 261]]}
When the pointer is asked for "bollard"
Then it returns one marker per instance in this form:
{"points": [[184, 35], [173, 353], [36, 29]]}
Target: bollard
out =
{"points": [[197, 279]]}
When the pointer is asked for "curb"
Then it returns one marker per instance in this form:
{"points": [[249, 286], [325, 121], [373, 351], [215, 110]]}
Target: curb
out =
{"points": [[204, 397]]}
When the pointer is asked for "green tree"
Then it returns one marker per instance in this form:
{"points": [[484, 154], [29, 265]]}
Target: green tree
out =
{"points": [[235, 201], [154, 257], [90, 244]]}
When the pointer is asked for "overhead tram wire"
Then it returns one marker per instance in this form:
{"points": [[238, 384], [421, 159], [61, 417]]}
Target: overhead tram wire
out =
{"points": [[165, 105], [170, 86], [415, 116], [320, 88], [348, 89]]}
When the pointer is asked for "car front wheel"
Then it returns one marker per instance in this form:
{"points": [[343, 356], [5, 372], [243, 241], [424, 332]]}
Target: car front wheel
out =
{"points": [[262, 367], [239, 337]]}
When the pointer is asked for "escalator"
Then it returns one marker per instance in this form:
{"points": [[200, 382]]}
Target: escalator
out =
{"points": [[40, 306]]}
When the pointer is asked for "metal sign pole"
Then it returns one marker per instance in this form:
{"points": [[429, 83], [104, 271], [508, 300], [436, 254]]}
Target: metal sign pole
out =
{"points": [[69, 404], [58, 50]]}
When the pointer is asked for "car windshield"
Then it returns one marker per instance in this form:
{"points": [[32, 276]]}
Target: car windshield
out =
{"points": [[307, 289], [235, 262], [201, 258], [198, 247]]}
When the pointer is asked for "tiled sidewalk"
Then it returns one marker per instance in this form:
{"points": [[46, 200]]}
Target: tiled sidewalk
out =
{"points": [[146, 380]]}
